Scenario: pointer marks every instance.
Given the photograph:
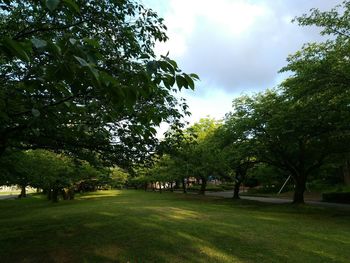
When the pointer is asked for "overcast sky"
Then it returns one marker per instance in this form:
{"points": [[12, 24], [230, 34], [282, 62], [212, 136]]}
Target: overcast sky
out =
{"points": [[235, 46]]}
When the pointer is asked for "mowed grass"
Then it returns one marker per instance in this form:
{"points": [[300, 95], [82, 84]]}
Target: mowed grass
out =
{"points": [[134, 226]]}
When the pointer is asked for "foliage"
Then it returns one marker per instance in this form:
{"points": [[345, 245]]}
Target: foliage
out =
{"points": [[194, 153], [118, 177], [336, 197], [82, 77], [54, 173]]}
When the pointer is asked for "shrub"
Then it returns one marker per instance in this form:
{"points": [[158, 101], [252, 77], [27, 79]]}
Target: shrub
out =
{"points": [[337, 197]]}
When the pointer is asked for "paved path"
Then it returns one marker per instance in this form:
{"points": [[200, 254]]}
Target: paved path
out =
{"points": [[3, 197], [273, 200]]}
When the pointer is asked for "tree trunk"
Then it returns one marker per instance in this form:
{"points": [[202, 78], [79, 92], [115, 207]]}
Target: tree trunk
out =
{"points": [[54, 195], [64, 193], [145, 187], [177, 184], [49, 194], [171, 187], [236, 190], [241, 172], [184, 186], [160, 187], [71, 193], [23, 192], [346, 172], [2, 144], [203, 186], [300, 185], [2, 150]]}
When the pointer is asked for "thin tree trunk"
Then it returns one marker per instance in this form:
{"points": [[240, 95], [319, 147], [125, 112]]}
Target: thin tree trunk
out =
{"points": [[64, 193], [300, 186], [184, 186], [2, 150], [171, 187], [241, 172], [346, 172], [54, 195], [236, 190], [203, 186], [23, 192], [49, 194], [146, 186], [2, 144], [71, 193], [177, 184]]}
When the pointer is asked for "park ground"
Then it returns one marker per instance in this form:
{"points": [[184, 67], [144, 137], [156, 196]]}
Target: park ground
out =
{"points": [[135, 226]]}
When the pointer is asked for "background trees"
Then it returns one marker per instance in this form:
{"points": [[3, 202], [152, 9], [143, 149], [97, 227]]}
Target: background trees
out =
{"points": [[298, 127]]}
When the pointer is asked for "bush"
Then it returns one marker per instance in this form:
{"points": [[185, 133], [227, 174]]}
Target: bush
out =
{"points": [[337, 197]]}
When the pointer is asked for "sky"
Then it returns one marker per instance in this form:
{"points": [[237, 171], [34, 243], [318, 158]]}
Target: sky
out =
{"points": [[235, 46]]}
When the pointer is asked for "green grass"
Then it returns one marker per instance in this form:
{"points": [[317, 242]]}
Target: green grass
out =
{"points": [[134, 226]]}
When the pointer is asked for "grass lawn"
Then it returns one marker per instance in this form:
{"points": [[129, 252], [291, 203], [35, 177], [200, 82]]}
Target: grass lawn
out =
{"points": [[134, 226]]}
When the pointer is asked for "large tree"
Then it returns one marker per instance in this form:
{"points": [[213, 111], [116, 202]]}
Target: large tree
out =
{"points": [[236, 150], [296, 136], [81, 76]]}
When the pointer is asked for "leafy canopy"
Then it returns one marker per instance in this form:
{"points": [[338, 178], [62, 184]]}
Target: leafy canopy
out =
{"points": [[82, 77]]}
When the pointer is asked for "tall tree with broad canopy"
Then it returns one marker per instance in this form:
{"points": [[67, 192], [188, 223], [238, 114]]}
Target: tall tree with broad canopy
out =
{"points": [[297, 127], [236, 150], [296, 136], [82, 77], [196, 152]]}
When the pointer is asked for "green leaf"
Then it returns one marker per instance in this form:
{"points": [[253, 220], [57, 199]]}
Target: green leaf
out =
{"points": [[92, 42], [72, 41], [72, 5], [52, 4], [166, 66], [189, 81], [145, 56], [181, 81], [35, 113], [173, 63], [194, 76], [152, 67], [38, 43], [16, 49], [81, 61], [95, 73]]}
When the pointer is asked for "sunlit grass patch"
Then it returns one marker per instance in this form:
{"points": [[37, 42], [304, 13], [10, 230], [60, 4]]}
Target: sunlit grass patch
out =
{"points": [[134, 226]]}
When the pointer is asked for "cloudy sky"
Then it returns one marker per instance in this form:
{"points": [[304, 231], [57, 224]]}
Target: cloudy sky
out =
{"points": [[235, 46]]}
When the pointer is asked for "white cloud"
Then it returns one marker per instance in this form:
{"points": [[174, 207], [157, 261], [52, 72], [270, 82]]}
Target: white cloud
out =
{"points": [[234, 45]]}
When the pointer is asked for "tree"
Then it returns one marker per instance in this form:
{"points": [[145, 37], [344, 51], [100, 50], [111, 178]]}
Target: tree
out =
{"points": [[305, 121], [320, 75], [296, 136], [118, 177], [15, 170], [195, 154], [236, 150], [82, 77]]}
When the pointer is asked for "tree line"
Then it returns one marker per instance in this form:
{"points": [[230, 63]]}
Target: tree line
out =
{"points": [[297, 127], [80, 81]]}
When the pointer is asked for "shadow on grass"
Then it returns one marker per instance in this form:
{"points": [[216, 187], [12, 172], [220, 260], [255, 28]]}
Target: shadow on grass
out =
{"points": [[132, 226]]}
